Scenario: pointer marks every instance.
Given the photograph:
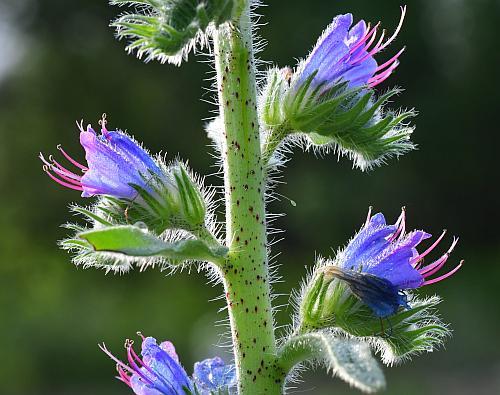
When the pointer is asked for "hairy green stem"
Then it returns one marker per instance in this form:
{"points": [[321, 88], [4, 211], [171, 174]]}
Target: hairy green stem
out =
{"points": [[246, 271]]}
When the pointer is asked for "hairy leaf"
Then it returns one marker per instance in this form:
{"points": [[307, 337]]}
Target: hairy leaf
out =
{"points": [[349, 359]]}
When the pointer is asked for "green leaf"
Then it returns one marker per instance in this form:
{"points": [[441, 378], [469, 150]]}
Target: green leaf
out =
{"points": [[349, 359], [135, 242]]}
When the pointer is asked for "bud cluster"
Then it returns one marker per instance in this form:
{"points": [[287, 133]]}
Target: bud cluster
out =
{"points": [[167, 30]]}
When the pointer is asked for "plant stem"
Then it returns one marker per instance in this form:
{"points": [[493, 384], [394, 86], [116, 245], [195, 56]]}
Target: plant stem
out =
{"points": [[246, 271]]}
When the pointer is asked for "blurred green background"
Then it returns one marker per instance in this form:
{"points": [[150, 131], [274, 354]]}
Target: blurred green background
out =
{"points": [[59, 62]]}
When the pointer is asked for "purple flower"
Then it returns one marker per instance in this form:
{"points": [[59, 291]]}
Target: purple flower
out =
{"points": [[159, 372], [115, 164], [347, 54], [382, 261], [213, 375]]}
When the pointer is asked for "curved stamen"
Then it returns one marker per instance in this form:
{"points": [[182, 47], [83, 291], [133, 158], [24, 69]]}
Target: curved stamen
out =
{"points": [[128, 346], [440, 278], [434, 267], [66, 177], [401, 225], [366, 37], [80, 126], [71, 159], [61, 169], [391, 60], [369, 215], [396, 32], [371, 52], [103, 123], [378, 79], [61, 182], [118, 362], [122, 376], [418, 258]]}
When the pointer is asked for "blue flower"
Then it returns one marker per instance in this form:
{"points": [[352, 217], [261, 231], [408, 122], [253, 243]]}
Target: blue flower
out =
{"points": [[115, 164], [213, 375], [347, 54], [382, 261], [159, 372]]}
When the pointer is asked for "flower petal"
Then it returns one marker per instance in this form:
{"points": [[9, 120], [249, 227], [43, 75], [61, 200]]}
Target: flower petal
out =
{"points": [[395, 266], [168, 370], [213, 375], [329, 49]]}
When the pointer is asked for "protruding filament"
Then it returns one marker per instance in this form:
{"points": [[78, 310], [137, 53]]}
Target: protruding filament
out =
{"points": [[440, 278], [398, 29], [71, 159], [421, 256], [401, 225], [429, 270], [103, 123], [391, 60], [61, 182], [366, 37], [369, 215]]}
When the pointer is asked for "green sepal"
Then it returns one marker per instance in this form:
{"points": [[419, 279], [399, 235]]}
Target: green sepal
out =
{"points": [[349, 359], [167, 30], [348, 121], [191, 201], [397, 338], [133, 241]]}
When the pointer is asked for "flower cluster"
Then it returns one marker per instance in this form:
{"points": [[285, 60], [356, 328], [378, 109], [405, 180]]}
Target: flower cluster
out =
{"points": [[382, 261], [159, 371]]}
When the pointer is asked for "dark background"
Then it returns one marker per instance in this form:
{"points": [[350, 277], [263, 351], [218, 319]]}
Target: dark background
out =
{"points": [[59, 62]]}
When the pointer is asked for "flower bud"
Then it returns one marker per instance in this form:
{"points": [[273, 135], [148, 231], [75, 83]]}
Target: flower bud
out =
{"points": [[367, 290], [329, 101]]}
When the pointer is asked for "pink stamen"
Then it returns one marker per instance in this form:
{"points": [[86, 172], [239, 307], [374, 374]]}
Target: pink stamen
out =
{"points": [[65, 184], [57, 166], [131, 355], [378, 79], [429, 270], [66, 177], [123, 376], [441, 278], [118, 362], [391, 60], [434, 267], [71, 159], [379, 46], [401, 224], [370, 52], [366, 37], [384, 74], [418, 258]]}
